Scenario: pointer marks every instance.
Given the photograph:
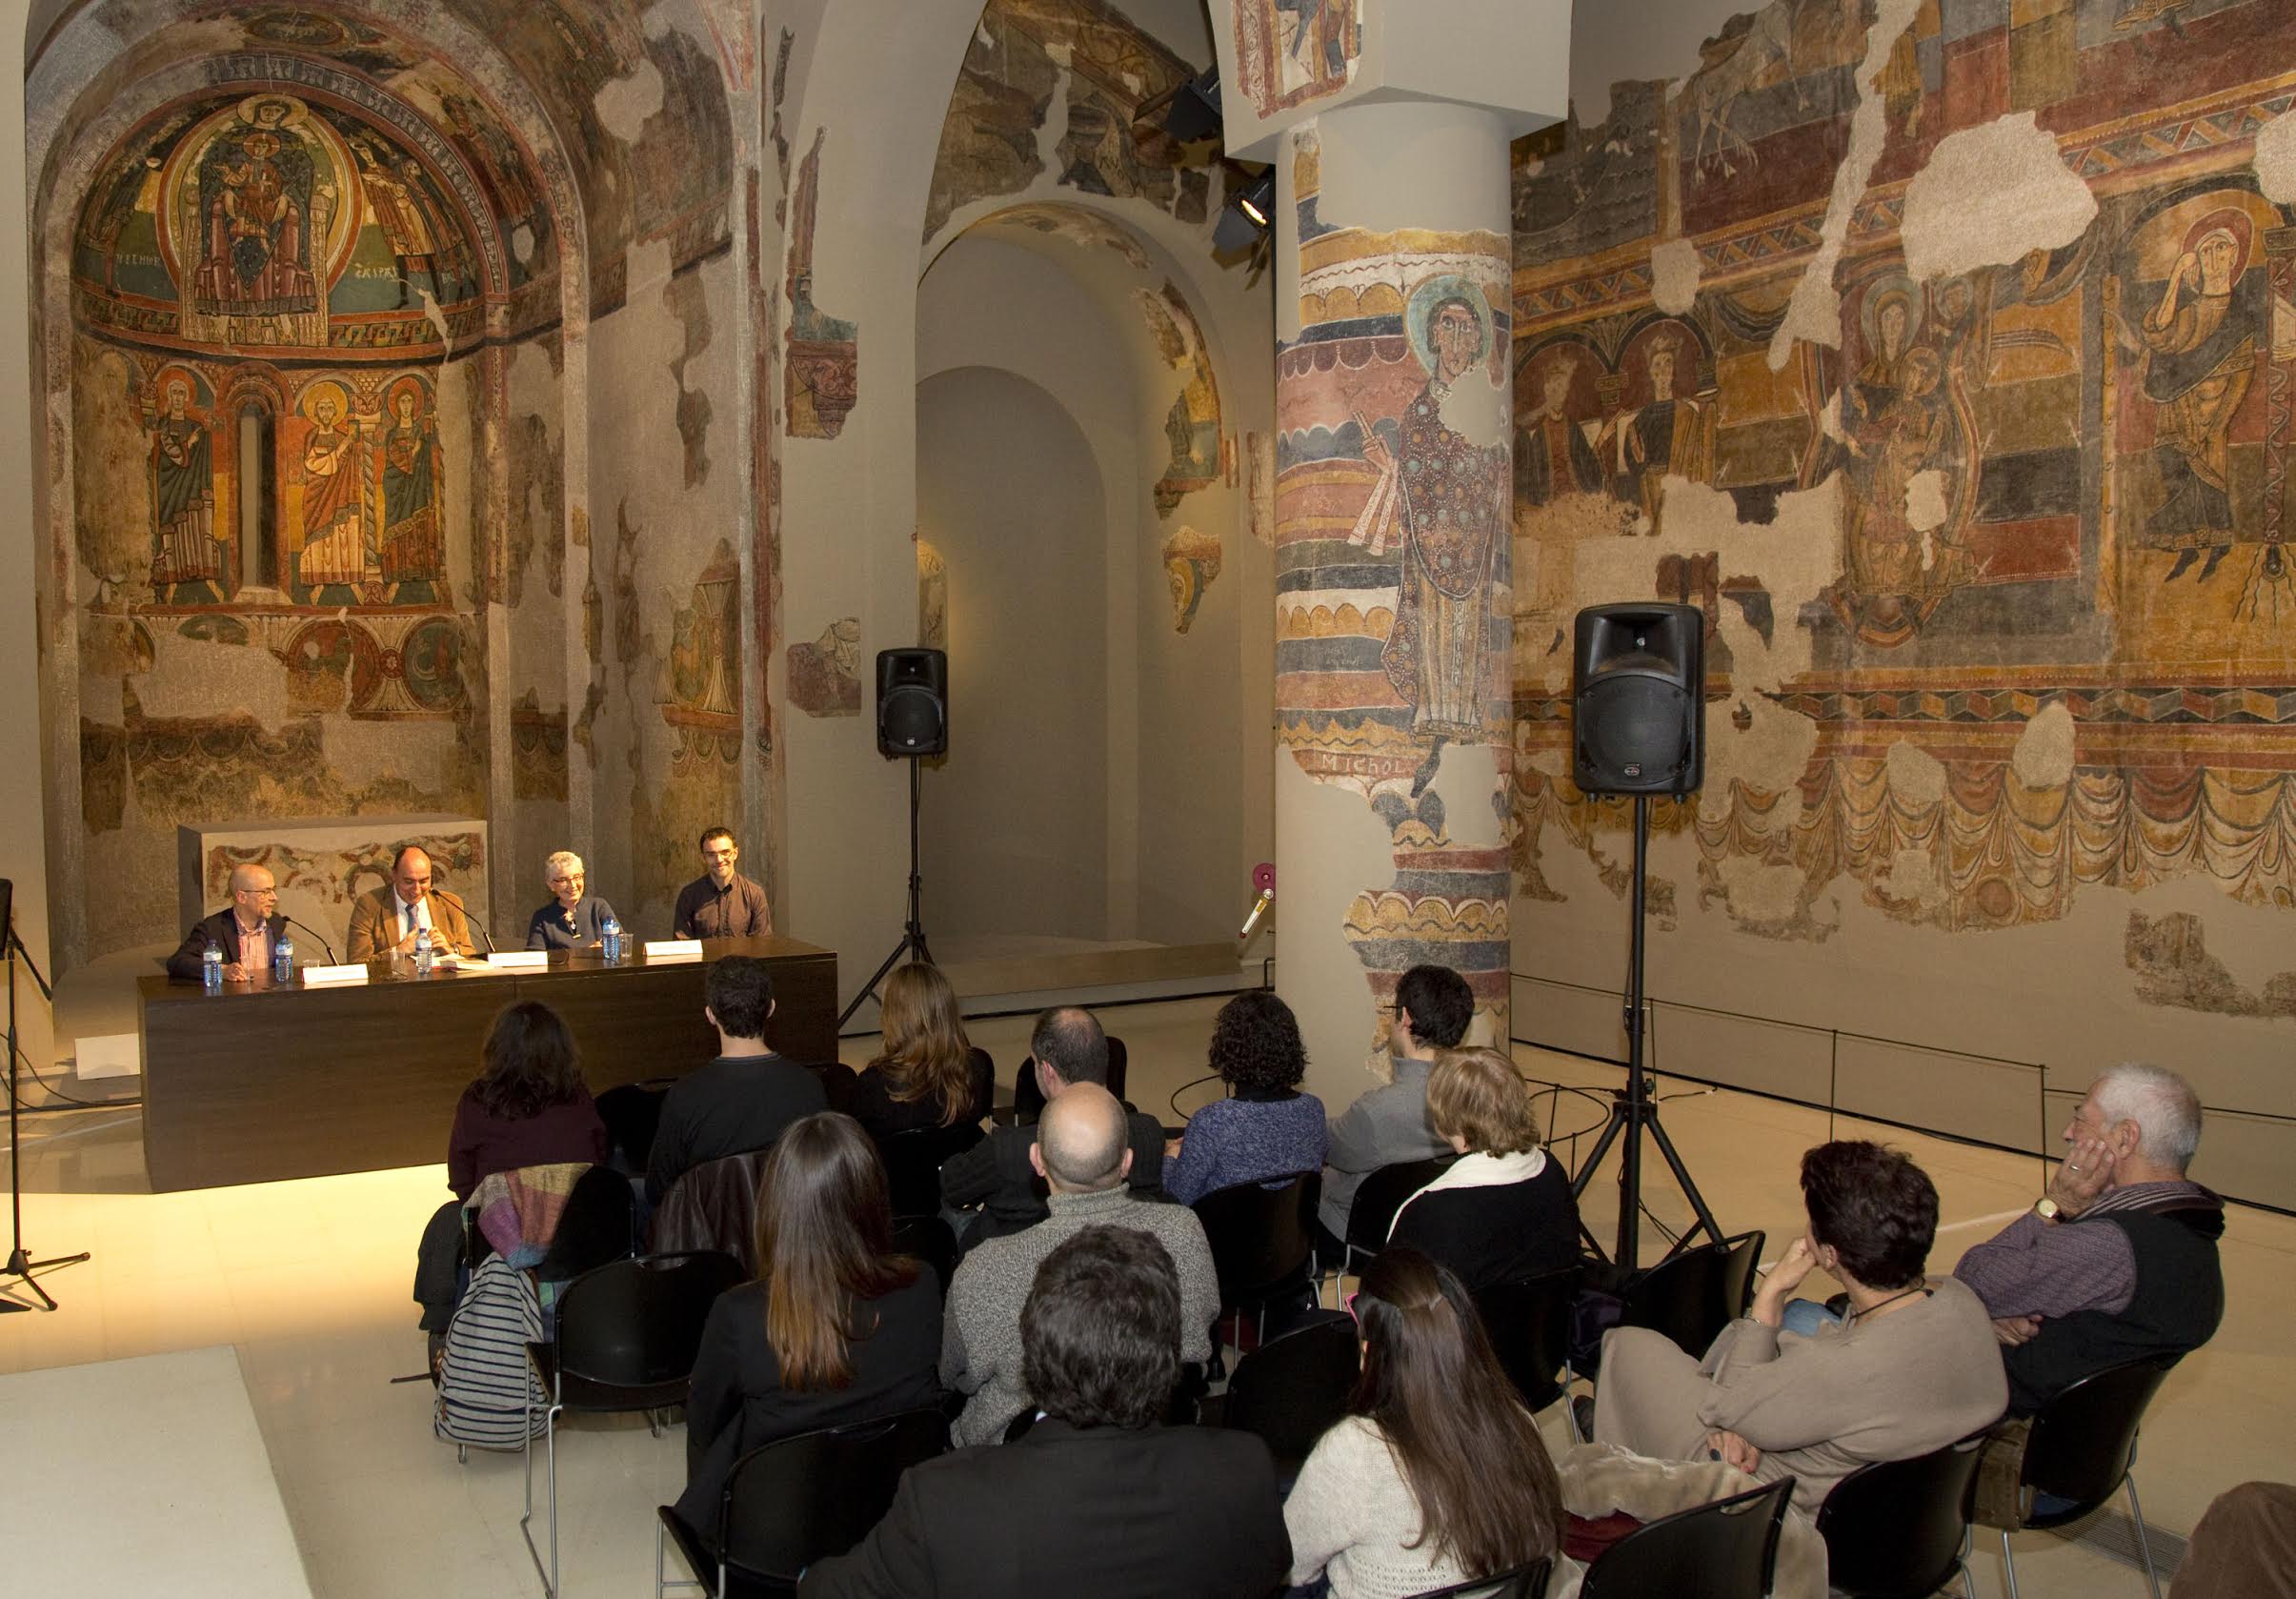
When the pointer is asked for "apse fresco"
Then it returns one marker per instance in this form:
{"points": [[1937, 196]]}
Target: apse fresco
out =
{"points": [[1291, 52], [1995, 550]]}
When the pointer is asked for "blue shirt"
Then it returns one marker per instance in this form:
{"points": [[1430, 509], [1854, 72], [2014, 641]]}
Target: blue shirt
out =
{"points": [[1246, 1141], [553, 927]]}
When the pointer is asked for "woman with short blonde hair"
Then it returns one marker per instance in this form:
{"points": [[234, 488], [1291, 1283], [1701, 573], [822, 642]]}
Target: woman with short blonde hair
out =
{"points": [[575, 919], [1503, 1210]]}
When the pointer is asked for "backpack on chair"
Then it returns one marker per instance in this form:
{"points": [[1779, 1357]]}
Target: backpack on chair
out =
{"points": [[488, 1392]]}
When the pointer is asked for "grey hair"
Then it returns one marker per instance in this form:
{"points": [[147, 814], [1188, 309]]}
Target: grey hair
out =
{"points": [[560, 860], [2166, 1111]]}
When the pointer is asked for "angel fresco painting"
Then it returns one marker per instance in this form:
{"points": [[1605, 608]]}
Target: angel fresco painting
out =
{"points": [[2201, 339]]}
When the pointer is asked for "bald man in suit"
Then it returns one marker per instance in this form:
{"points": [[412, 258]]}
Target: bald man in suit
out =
{"points": [[384, 921]]}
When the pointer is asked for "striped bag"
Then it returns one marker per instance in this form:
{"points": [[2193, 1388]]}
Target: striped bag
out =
{"points": [[488, 1393]]}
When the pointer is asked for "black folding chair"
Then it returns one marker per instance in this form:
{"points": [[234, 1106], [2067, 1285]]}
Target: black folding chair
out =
{"points": [[912, 1164], [713, 1206], [598, 1224], [633, 1112], [1293, 1389], [626, 1333], [1379, 1197], [1697, 1293], [1524, 1582], [1528, 1322], [930, 1240], [2083, 1449], [1027, 1098], [1723, 1550], [795, 1502], [1899, 1528], [1262, 1240]]}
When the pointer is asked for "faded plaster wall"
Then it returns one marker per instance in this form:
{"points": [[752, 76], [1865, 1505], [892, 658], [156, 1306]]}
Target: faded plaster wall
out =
{"points": [[1980, 491]]}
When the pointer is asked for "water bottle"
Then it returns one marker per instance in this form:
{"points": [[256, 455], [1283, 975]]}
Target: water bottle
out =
{"points": [[210, 968], [283, 960], [422, 952], [610, 934]]}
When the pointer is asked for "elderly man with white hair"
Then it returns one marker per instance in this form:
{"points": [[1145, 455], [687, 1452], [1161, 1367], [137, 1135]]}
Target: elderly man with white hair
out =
{"points": [[2118, 1260], [574, 920]]}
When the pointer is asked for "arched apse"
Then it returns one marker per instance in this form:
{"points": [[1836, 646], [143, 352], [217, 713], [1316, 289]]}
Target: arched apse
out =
{"points": [[1017, 816], [1093, 313]]}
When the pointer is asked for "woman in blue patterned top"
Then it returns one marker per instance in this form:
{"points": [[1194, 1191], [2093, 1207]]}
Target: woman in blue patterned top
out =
{"points": [[574, 920], [1265, 1128]]}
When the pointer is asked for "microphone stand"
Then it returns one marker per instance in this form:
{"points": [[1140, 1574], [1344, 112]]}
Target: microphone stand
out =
{"points": [[467, 920], [20, 1264], [315, 933]]}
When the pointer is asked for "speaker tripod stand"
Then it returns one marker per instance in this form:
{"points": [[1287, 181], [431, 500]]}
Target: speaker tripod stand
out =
{"points": [[913, 932], [1632, 1110], [21, 1268]]}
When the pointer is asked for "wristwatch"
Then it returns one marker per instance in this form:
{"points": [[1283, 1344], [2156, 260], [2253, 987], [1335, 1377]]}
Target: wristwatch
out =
{"points": [[2046, 1208]]}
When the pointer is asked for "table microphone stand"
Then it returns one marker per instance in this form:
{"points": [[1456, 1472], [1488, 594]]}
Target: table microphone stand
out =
{"points": [[20, 1264]]}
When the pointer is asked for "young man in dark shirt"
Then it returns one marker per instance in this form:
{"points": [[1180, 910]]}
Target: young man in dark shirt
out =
{"points": [[721, 904], [742, 1099]]}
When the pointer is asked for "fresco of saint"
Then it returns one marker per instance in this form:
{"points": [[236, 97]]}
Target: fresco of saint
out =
{"points": [[337, 541], [257, 194], [412, 548], [184, 551], [1669, 436], [1553, 456], [2201, 341]]}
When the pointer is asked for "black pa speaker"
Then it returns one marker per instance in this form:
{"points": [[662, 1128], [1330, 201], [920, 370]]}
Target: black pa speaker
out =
{"points": [[912, 703], [1639, 699]]}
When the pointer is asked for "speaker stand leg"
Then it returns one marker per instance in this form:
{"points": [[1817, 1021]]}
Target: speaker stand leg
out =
{"points": [[912, 931]]}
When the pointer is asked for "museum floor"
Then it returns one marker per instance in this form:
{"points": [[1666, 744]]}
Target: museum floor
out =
{"points": [[308, 1282]]}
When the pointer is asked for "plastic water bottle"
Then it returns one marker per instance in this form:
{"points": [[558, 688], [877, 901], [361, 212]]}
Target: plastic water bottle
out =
{"points": [[210, 968], [422, 952], [283, 960], [610, 934]]}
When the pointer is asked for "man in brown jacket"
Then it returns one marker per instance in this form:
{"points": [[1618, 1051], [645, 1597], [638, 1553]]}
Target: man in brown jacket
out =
{"points": [[384, 921]]}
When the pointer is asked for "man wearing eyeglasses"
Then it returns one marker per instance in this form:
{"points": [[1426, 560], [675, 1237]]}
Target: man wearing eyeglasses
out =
{"points": [[721, 904], [246, 931]]}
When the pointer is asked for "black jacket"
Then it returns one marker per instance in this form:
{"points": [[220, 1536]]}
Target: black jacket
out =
{"points": [[734, 1104], [221, 929], [1154, 1512], [1501, 1233], [996, 1175]]}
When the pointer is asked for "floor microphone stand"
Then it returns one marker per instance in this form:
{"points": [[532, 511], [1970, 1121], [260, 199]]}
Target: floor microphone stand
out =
{"points": [[1632, 1108], [20, 1264], [913, 933]]}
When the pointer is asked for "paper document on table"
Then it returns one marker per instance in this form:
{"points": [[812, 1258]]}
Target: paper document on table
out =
{"points": [[321, 977], [519, 959], [673, 949]]}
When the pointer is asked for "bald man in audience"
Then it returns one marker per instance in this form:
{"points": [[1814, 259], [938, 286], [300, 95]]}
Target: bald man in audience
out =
{"points": [[385, 921], [1083, 1154], [246, 931]]}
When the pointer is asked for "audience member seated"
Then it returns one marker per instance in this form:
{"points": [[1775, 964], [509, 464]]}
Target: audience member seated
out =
{"points": [[1082, 1152], [1098, 1498], [1503, 1210], [1437, 1474], [2118, 1260], [1266, 1129], [1066, 1048], [1909, 1369], [2245, 1546], [574, 920], [528, 1107], [1388, 1125], [926, 1074], [743, 1099], [837, 1327], [245, 931]]}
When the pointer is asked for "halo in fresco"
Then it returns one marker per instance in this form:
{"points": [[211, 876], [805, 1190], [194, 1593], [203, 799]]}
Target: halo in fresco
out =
{"points": [[1435, 291]]}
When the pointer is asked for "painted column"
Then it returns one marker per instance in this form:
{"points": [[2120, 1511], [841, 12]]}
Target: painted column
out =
{"points": [[1393, 503]]}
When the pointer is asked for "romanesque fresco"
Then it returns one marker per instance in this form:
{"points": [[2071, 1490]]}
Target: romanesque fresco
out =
{"points": [[1392, 493], [821, 362], [1192, 558], [1291, 52], [1995, 557]]}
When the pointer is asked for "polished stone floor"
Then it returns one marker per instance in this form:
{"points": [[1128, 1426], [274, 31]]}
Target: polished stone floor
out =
{"points": [[308, 1282]]}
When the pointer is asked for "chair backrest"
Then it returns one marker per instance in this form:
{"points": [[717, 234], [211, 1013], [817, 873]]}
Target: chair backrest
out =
{"points": [[632, 1112], [634, 1323], [713, 1206], [930, 1240], [804, 1498], [1383, 1193], [1692, 1296], [1524, 1582], [1293, 1389], [1259, 1237], [599, 1224], [1894, 1529], [1723, 1550], [1529, 1326], [2085, 1440], [912, 1164]]}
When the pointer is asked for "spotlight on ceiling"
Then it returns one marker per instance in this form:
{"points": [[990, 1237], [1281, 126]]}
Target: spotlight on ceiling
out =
{"points": [[1245, 218], [1194, 110]]}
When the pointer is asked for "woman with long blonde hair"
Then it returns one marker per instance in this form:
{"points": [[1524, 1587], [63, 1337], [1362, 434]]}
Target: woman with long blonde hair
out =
{"points": [[926, 1073]]}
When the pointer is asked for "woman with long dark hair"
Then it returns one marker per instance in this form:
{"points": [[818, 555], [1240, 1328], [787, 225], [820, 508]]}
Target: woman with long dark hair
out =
{"points": [[926, 1073], [529, 1105], [837, 1327], [1437, 1475]]}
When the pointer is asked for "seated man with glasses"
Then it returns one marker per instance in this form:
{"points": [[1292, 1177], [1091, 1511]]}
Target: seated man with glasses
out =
{"points": [[246, 931]]}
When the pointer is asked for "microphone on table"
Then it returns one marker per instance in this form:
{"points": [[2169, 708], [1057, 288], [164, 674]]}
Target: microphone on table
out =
{"points": [[467, 920], [315, 933]]}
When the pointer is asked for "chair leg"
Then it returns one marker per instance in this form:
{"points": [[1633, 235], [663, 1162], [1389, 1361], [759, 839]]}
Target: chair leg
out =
{"points": [[2136, 1513], [2008, 1564], [550, 1455]]}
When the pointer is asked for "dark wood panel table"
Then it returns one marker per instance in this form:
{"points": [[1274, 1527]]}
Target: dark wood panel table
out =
{"points": [[258, 1083]]}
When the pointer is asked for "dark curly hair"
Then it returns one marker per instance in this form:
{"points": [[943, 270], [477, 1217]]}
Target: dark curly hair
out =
{"points": [[1256, 1045], [1874, 1208], [1099, 1332]]}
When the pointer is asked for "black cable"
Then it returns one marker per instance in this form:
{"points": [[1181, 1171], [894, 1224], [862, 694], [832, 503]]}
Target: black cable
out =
{"points": [[69, 1104], [1174, 1100]]}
